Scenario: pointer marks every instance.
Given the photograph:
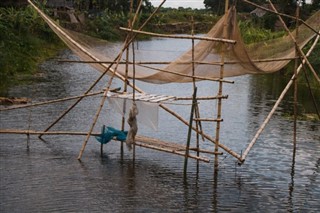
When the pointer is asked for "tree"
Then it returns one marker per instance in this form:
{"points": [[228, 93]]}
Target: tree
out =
{"points": [[217, 6]]}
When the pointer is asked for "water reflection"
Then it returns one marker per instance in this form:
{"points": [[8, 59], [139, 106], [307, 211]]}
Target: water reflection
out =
{"points": [[277, 176]]}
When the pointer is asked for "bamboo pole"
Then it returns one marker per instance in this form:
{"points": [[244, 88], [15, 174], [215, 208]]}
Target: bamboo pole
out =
{"points": [[208, 119], [266, 121], [194, 102], [219, 110], [202, 98], [168, 62], [52, 101], [189, 76], [172, 151], [33, 132], [295, 80], [180, 36]]}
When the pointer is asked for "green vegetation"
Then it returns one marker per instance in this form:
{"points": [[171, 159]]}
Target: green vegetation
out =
{"points": [[25, 41]]}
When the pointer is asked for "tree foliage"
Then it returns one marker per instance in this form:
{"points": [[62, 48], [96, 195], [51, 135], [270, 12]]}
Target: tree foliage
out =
{"points": [[112, 5]]}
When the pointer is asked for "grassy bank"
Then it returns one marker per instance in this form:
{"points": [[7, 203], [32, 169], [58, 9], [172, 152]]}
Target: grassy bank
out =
{"points": [[25, 41]]}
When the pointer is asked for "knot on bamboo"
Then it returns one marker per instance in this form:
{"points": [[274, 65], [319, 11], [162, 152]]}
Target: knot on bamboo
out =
{"points": [[132, 121]]}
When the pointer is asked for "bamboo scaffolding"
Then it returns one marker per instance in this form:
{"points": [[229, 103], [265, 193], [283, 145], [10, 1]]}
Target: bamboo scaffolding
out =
{"points": [[180, 36], [129, 39], [285, 90], [107, 68]]}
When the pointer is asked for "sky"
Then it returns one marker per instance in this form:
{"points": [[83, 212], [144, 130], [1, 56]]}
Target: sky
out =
{"points": [[184, 3]]}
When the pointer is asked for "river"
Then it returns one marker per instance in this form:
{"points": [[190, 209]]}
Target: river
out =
{"points": [[45, 175]]}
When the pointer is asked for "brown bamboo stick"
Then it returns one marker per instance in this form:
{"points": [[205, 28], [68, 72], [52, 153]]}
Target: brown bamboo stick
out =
{"points": [[52, 101], [296, 44], [295, 81], [285, 90], [171, 151], [168, 62], [180, 36], [189, 76], [219, 108], [202, 98], [208, 119], [34, 132], [281, 14]]}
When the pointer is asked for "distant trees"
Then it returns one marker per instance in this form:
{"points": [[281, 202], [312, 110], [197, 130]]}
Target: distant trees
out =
{"points": [[285, 6], [112, 5]]}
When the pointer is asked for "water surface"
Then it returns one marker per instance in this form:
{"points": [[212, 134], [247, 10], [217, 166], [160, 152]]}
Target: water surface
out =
{"points": [[46, 177]]}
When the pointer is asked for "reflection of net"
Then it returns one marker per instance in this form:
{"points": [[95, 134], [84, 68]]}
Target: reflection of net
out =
{"points": [[244, 59]]}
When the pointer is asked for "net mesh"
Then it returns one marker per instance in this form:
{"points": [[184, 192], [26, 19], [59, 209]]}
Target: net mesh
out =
{"points": [[239, 59]]}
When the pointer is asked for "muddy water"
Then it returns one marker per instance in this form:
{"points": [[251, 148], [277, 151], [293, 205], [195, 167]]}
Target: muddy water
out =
{"points": [[44, 175]]}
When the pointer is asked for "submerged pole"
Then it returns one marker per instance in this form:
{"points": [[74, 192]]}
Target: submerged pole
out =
{"points": [[194, 102], [216, 147]]}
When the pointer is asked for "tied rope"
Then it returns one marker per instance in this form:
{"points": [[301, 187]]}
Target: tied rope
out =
{"points": [[132, 119]]}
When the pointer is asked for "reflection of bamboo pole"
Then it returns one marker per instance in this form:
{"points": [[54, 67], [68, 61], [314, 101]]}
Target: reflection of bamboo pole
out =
{"points": [[253, 141], [181, 37]]}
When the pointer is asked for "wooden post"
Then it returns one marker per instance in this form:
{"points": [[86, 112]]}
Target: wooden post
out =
{"points": [[219, 110], [194, 102], [295, 92]]}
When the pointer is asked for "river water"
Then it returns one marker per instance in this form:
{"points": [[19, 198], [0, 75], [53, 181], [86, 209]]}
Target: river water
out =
{"points": [[45, 175]]}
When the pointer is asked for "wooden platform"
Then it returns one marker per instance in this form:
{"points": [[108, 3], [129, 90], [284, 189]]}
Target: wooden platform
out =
{"points": [[141, 97]]}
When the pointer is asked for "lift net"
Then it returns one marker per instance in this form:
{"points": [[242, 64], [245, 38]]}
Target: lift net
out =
{"points": [[239, 59]]}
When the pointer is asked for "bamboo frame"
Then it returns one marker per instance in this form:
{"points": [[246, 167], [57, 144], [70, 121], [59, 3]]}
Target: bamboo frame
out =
{"points": [[162, 146]]}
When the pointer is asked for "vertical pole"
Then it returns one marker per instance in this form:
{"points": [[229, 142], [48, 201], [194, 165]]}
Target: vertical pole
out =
{"points": [[194, 86], [194, 102], [295, 107], [216, 148]]}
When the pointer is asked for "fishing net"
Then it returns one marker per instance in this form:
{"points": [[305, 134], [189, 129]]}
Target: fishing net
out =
{"points": [[239, 59]]}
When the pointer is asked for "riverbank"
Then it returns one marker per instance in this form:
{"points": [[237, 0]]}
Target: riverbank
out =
{"points": [[26, 41]]}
